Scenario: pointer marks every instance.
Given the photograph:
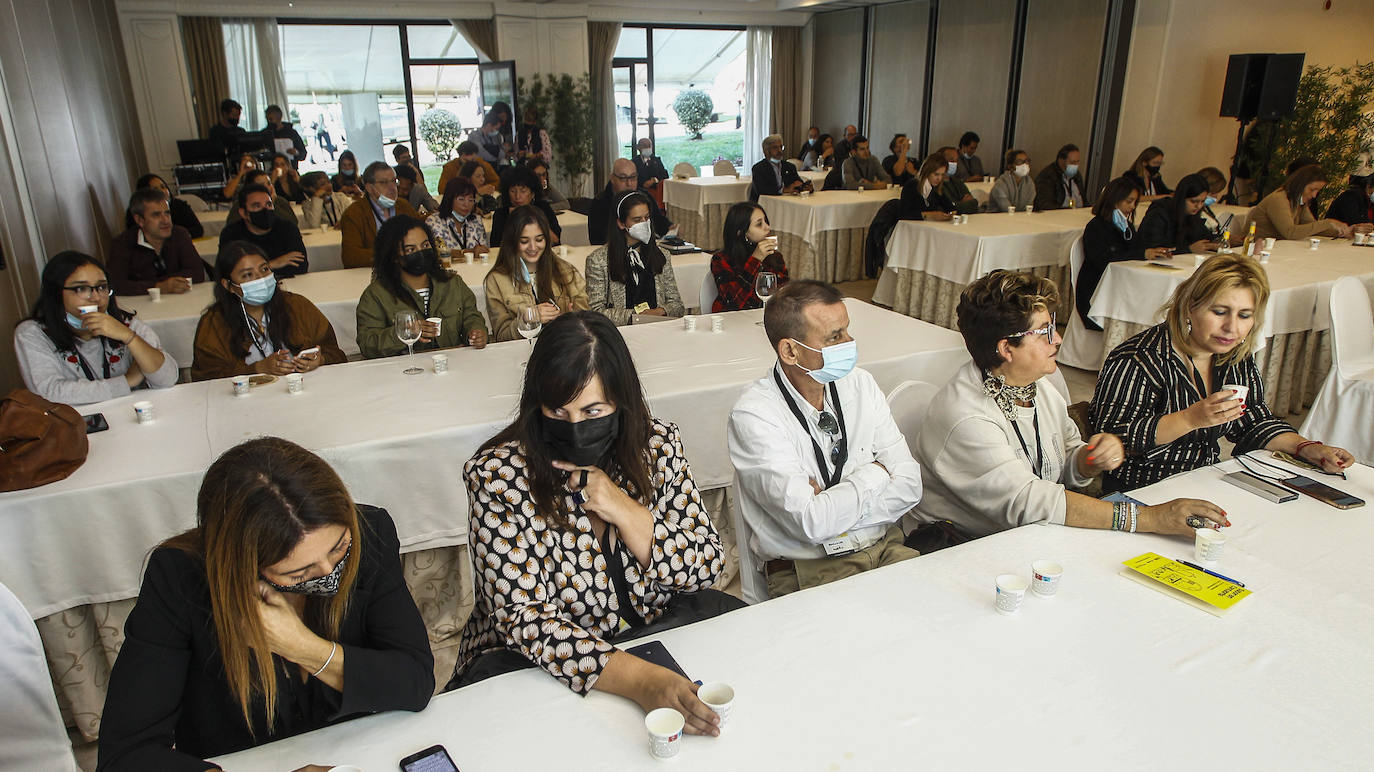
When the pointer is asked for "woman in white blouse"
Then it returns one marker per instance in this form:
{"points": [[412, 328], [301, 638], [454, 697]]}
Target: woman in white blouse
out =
{"points": [[79, 346], [1001, 450]]}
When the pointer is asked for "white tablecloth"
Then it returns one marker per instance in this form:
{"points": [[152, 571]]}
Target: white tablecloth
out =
{"points": [[822, 235], [909, 666], [213, 221], [336, 294], [399, 442]]}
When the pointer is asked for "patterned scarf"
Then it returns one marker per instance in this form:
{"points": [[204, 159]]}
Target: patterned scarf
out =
{"points": [[1005, 396]]}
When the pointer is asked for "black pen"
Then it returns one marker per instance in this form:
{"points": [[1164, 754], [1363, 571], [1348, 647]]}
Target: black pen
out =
{"points": [[1212, 573]]}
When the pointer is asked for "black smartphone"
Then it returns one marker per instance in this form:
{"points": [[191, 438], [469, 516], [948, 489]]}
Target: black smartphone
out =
{"points": [[95, 422], [657, 653], [1323, 492], [431, 759]]}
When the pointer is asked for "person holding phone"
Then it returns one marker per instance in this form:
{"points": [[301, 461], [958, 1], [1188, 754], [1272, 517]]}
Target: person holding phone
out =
{"points": [[254, 327], [282, 611], [406, 276], [1176, 221], [78, 346], [585, 496], [528, 273], [629, 275], [1110, 237], [1168, 394]]}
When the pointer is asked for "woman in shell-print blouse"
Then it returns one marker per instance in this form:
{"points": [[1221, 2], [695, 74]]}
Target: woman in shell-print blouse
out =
{"points": [[556, 518]]}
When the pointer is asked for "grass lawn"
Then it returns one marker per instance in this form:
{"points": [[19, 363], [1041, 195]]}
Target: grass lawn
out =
{"points": [[728, 145]]}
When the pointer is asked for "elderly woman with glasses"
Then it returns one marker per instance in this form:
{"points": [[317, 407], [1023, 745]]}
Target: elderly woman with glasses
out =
{"points": [[1002, 451]]}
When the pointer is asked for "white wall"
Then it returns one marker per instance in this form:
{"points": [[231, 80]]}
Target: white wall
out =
{"points": [[1178, 61], [554, 46]]}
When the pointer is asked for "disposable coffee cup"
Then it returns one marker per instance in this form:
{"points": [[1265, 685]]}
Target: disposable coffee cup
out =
{"points": [[438, 323], [295, 383], [467, 256], [1011, 589], [1045, 576], [1208, 545], [665, 732], [1264, 257], [1011, 210], [1029, 208], [717, 324], [240, 385], [1269, 243], [440, 363], [689, 323], [155, 294], [1361, 238], [963, 219], [563, 251], [1312, 244], [1241, 391], [719, 697], [143, 411], [83, 310]]}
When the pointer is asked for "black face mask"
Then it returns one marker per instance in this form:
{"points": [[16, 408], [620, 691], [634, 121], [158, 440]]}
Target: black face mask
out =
{"points": [[584, 443], [262, 219], [1153, 170], [233, 121], [419, 262]]}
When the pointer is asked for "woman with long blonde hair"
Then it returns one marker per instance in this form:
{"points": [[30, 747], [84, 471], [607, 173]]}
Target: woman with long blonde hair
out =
{"points": [[282, 611]]}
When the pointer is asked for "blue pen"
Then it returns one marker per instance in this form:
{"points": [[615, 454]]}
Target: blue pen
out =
{"points": [[1212, 573]]}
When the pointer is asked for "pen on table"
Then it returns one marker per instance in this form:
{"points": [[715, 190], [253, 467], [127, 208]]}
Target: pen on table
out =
{"points": [[1212, 573]]}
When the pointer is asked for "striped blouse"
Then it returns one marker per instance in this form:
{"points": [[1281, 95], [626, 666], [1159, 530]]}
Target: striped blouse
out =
{"points": [[1142, 381]]}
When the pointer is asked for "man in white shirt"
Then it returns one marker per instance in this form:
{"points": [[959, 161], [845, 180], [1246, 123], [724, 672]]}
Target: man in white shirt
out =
{"points": [[823, 472]]}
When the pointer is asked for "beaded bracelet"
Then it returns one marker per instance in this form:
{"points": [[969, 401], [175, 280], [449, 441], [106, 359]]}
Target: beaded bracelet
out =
{"points": [[1118, 515], [1132, 507]]}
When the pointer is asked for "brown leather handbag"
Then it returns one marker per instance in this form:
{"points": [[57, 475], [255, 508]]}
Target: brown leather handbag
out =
{"points": [[40, 441]]}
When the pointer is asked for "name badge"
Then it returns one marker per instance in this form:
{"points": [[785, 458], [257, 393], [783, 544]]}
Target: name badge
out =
{"points": [[641, 308], [840, 545]]}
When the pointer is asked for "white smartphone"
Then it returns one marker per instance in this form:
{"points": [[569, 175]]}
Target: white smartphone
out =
{"points": [[311, 350]]}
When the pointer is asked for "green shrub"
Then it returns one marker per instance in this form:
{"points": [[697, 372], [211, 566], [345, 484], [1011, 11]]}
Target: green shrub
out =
{"points": [[693, 108]]}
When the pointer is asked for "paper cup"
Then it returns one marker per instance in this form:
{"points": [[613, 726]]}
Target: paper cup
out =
{"points": [[1011, 589], [440, 363], [295, 383], [155, 294], [1264, 257], [719, 697], [1312, 244], [689, 323], [1241, 391], [1208, 546], [1269, 243], [83, 310], [665, 732], [143, 411], [240, 385], [717, 324], [467, 256], [438, 322], [1361, 238], [1029, 208], [1045, 577], [1011, 210], [563, 251]]}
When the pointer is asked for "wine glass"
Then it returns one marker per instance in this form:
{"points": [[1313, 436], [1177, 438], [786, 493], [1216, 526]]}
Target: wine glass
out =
{"points": [[530, 323], [408, 331], [765, 284]]}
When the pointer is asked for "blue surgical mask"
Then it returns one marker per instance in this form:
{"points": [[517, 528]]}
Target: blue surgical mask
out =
{"points": [[775, 161], [951, 168], [1071, 170], [837, 360], [1120, 221], [386, 202], [259, 292], [1208, 201], [74, 321]]}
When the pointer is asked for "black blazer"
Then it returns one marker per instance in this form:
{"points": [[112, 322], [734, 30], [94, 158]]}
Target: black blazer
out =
{"points": [[766, 182], [914, 204], [498, 221], [1160, 188], [651, 169], [599, 218], [1159, 229], [168, 684], [1103, 244], [1351, 207]]}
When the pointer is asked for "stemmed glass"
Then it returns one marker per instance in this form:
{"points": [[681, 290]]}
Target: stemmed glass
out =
{"points": [[408, 331], [530, 323], [765, 284]]}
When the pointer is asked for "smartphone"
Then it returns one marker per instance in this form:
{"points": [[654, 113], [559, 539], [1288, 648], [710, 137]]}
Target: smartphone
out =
{"points": [[311, 350], [1322, 492], [95, 422], [431, 759], [657, 653]]}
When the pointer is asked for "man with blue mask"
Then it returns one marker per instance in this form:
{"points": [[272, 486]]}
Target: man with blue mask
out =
{"points": [[490, 142], [381, 201], [260, 224], [823, 473], [775, 176], [953, 188], [1060, 185]]}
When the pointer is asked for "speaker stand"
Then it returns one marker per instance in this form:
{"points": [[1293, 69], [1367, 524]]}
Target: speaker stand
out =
{"points": [[1235, 160]]}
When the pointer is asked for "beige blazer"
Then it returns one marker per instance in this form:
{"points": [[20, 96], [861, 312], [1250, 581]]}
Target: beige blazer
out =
{"points": [[505, 297], [1276, 218]]}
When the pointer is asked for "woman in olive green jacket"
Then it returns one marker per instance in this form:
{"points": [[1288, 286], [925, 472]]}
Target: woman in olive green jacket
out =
{"points": [[406, 276]]}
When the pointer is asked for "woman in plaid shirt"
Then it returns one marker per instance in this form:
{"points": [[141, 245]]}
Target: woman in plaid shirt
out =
{"points": [[748, 250]]}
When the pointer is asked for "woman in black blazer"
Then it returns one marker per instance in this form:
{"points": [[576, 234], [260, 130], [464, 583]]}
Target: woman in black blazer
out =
{"points": [[1144, 172], [285, 575], [520, 186], [1355, 206], [921, 197], [1110, 237], [1176, 222]]}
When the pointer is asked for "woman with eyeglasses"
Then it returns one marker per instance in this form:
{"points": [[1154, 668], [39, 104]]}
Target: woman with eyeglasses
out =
{"points": [[1002, 451], [78, 346], [284, 610], [1167, 391], [254, 327], [629, 275], [457, 225]]}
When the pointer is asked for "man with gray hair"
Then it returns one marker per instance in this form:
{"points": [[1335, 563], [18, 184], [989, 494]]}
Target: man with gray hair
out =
{"points": [[773, 176], [823, 473], [381, 201], [153, 252]]}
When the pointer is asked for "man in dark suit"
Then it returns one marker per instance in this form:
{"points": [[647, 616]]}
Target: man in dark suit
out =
{"points": [[773, 176], [1060, 185], [648, 166]]}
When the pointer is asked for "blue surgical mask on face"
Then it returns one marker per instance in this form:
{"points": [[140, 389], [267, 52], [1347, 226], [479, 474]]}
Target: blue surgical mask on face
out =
{"points": [[951, 168], [1208, 201], [1120, 221], [74, 321], [837, 360], [1071, 170], [259, 291], [775, 161]]}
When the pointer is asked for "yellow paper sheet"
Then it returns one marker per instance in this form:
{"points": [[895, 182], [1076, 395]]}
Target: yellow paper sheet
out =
{"points": [[1195, 584]]}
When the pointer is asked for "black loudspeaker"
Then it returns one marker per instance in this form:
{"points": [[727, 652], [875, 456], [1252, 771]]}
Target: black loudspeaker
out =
{"points": [[1262, 86]]}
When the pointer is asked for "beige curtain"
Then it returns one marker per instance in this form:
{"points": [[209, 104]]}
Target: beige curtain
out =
{"points": [[481, 35], [602, 37], [203, 39], [785, 97]]}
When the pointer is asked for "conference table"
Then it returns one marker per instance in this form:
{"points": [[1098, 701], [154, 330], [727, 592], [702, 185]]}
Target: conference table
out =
{"points": [[1297, 351], [335, 293], [910, 665], [698, 205], [399, 441]]}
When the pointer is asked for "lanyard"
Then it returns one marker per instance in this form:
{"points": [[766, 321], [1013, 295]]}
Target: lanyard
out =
{"points": [[1039, 448], [259, 340], [104, 361], [830, 477], [616, 569], [329, 209]]}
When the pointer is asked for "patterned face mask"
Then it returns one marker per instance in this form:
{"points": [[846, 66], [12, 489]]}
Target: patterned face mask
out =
{"points": [[326, 585]]}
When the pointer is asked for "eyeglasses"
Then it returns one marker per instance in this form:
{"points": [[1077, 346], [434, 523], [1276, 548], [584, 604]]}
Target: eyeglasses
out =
{"points": [[831, 427], [88, 291], [1047, 331]]}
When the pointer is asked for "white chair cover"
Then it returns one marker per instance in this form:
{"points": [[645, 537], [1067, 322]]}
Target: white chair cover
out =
{"points": [[753, 584], [684, 171], [724, 168], [32, 735], [909, 402], [196, 203], [709, 292], [1344, 410], [1082, 347]]}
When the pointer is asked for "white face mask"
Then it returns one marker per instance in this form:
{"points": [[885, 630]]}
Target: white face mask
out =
{"points": [[642, 231], [1021, 170], [645, 152]]}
